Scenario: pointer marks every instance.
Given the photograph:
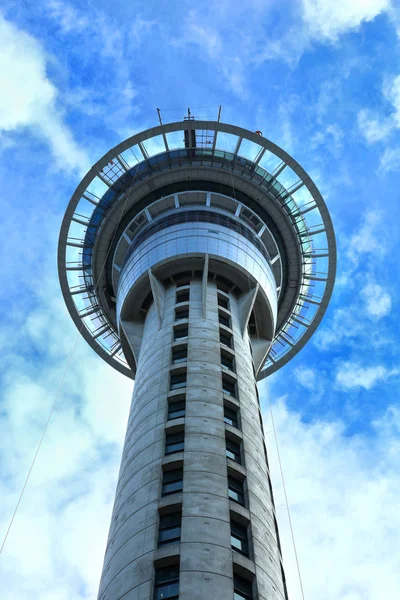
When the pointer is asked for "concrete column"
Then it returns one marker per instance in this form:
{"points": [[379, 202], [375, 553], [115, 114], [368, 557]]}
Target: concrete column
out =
{"points": [[207, 561]]}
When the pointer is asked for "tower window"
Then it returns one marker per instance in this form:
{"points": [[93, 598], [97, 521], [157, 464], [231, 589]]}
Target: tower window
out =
{"points": [[228, 386], [233, 450], [181, 313], [179, 355], [231, 417], [242, 588], [167, 583], [239, 539], [227, 361], [174, 442], [176, 410], [223, 301], [177, 381], [224, 319], [235, 490], [225, 338], [182, 296], [180, 332], [172, 482], [170, 528]]}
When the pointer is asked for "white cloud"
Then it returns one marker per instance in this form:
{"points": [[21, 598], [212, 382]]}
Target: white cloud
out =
{"points": [[390, 159], [353, 375], [378, 302], [368, 239], [28, 98], [307, 377], [377, 128], [328, 19], [343, 495]]}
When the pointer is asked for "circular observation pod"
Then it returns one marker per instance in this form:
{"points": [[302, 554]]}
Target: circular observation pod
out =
{"points": [[197, 199]]}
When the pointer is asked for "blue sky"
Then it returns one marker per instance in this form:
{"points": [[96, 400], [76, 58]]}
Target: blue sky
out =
{"points": [[320, 78]]}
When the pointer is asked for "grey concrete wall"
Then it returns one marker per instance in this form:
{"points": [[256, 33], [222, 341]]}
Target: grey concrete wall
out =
{"points": [[206, 559]]}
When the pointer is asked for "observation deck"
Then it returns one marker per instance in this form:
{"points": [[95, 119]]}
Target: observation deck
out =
{"points": [[253, 199]]}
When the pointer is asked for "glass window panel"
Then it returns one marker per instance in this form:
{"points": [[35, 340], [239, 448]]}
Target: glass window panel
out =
{"points": [[226, 141], [182, 296], [176, 409], [180, 332], [181, 313], [226, 339], [177, 381], [227, 361], [243, 588], [249, 149], [233, 450], [235, 490], [154, 145], [179, 355], [228, 387], [230, 417], [224, 319], [174, 442]]}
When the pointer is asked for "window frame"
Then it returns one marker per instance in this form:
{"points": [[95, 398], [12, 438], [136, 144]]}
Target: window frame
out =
{"points": [[230, 359], [177, 381], [239, 492], [161, 585], [224, 319], [239, 593], [182, 295], [178, 329], [179, 440], [234, 452], [229, 386], [227, 336], [240, 533], [181, 313], [183, 349], [176, 476], [167, 525], [229, 421], [173, 402]]}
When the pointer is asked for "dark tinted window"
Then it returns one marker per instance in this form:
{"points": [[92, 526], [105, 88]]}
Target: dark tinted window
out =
{"points": [[227, 361], [174, 442], [170, 528], [230, 416], [180, 332], [177, 381], [243, 588], [239, 541], [225, 338], [182, 296], [181, 313], [167, 584], [176, 410], [235, 490], [224, 319], [224, 302], [172, 482], [228, 387], [179, 355], [233, 450]]}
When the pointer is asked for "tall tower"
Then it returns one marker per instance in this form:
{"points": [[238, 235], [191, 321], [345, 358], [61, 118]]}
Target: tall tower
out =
{"points": [[195, 258]]}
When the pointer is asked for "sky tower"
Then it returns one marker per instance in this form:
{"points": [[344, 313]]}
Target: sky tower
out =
{"points": [[196, 258]]}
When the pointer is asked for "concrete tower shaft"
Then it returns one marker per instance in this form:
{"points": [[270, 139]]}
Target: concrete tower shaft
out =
{"points": [[197, 269], [194, 456]]}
